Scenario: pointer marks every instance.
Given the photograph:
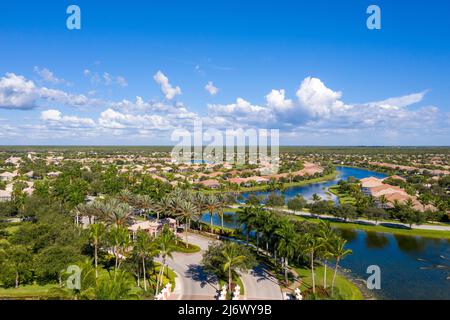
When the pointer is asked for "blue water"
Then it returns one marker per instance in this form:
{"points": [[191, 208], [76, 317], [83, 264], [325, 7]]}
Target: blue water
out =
{"points": [[321, 188], [411, 267]]}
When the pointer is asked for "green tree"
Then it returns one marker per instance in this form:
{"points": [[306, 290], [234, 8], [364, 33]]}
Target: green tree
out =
{"points": [[339, 252], [97, 232]]}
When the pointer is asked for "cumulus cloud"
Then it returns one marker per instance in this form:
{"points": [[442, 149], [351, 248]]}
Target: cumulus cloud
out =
{"points": [[112, 119], [16, 92], [318, 100], [56, 119], [242, 111], [211, 88], [276, 100], [167, 89]]}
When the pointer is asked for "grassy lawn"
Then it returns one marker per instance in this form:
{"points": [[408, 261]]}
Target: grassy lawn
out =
{"points": [[27, 292], [343, 197], [181, 247], [408, 232], [344, 288], [169, 275]]}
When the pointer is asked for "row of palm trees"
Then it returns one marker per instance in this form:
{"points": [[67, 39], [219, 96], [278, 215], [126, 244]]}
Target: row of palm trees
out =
{"points": [[138, 252], [182, 205], [293, 240]]}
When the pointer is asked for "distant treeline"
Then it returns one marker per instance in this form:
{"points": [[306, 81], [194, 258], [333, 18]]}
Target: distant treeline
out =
{"points": [[292, 149]]}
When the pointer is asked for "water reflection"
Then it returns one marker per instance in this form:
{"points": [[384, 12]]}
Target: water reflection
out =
{"points": [[348, 234], [376, 240], [410, 244]]}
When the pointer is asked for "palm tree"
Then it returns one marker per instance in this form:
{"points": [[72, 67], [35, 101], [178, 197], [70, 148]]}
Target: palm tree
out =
{"points": [[246, 216], [312, 245], [222, 203], [212, 204], [339, 252], [83, 210], [187, 211], [144, 247], [287, 244], [165, 207], [145, 203], [126, 196], [166, 245], [96, 234], [116, 287], [120, 241], [233, 260], [116, 213], [326, 235], [259, 221]]}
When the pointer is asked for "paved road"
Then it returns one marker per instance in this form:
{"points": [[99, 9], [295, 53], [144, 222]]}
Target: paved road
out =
{"points": [[193, 283], [370, 222], [259, 285]]}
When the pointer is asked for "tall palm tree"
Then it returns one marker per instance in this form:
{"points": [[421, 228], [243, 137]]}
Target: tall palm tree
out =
{"points": [[96, 234], [233, 260], [144, 247], [187, 211], [222, 203], [259, 221], [165, 245], [120, 241], [312, 245], [84, 210], [246, 216], [339, 252], [117, 213], [146, 203], [326, 235], [287, 244], [212, 204], [165, 207]]}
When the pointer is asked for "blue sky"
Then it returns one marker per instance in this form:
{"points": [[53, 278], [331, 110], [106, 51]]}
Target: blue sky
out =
{"points": [[309, 68]]}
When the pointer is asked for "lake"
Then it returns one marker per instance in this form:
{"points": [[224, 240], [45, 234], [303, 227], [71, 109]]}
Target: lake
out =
{"points": [[321, 188], [411, 267]]}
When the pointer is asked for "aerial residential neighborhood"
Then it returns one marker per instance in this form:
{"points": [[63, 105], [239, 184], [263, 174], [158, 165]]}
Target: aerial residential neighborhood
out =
{"points": [[223, 159]]}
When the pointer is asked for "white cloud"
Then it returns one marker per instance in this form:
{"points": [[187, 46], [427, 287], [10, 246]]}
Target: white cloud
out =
{"points": [[242, 111], [111, 119], [318, 100], [16, 92], [55, 119], [48, 76], [276, 99], [400, 102], [211, 88], [106, 78], [166, 88], [121, 81]]}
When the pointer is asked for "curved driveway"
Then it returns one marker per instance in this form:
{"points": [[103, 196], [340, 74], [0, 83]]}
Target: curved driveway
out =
{"points": [[193, 283]]}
